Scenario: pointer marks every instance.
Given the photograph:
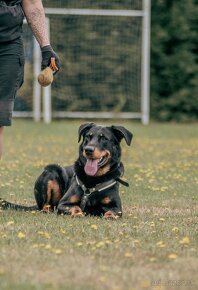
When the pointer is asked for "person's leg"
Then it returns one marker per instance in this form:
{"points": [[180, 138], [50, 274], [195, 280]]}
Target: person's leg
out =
{"points": [[11, 78], [1, 141]]}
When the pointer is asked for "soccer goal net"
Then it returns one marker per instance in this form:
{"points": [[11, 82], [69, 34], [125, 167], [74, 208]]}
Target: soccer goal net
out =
{"points": [[104, 54]]}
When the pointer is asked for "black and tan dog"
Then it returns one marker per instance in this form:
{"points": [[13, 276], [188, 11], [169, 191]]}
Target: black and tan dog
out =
{"points": [[91, 185]]}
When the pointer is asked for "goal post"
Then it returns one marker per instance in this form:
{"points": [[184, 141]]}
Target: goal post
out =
{"points": [[104, 56], [145, 63]]}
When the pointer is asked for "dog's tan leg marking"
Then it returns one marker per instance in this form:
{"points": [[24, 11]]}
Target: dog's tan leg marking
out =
{"points": [[46, 208], [53, 195], [106, 200], [74, 199], [110, 215]]}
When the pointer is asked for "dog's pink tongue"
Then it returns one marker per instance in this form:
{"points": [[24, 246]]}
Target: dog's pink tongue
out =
{"points": [[91, 167]]}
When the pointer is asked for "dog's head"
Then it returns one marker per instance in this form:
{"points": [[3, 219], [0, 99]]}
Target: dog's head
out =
{"points": [[100, 149]]}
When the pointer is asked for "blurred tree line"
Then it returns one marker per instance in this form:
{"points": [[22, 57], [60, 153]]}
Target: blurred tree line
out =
{"points": [[174, 56], [174, 60]]}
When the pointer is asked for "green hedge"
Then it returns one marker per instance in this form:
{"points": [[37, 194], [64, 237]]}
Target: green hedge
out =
{"points": [[174, 60]]}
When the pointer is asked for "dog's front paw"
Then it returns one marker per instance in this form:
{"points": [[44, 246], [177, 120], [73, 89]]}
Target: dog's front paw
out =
{"points": [[46, 209], [110, 215], [76, 211]]}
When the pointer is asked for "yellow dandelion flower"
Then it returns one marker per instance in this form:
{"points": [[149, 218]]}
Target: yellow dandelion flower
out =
{"points": [[100, 244], [117, 241], [10, 223], [48, 246], [151, 180], [163, 188], [79, 244], [44, 234], [40, 233], [172, 256], [128, 255], [161, 244], [42, 245], [159, 288], [108, 242], [90, 243], [185, 241], [94, 227], [57, 251], [136, 242], [175, 230], [21, 235]]}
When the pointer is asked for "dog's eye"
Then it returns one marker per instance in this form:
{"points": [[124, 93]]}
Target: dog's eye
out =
{"points": [[89, 136], [103, 137]]}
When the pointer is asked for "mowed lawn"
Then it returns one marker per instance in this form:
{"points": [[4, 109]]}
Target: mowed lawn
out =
{"points": [[154, 245]]}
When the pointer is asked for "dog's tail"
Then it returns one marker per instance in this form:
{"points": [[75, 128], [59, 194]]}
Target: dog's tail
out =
{"points": [[9, 205]]}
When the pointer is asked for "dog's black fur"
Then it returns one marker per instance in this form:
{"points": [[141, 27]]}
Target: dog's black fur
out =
{"points": [[91, 185]]}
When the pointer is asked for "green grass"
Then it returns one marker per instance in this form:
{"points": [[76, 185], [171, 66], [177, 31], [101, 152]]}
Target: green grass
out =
{"points": [[154, 245]]}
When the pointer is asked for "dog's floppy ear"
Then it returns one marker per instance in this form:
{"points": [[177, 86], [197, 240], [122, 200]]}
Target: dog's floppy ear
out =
{"points": [[121, 132], [83, 129]]}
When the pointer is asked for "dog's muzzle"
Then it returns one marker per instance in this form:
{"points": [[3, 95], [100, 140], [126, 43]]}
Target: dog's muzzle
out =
{"points": [[95, 159], [89, 150]]}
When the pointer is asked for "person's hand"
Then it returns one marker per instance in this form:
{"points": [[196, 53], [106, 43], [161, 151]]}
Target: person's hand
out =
{"points": [[48, 53]]}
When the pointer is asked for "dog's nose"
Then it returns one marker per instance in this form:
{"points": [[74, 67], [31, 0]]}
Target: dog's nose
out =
{"points": [[89, 150]]}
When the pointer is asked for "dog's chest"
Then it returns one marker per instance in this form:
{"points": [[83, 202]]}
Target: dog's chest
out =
{"points": [[93, 200]]}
